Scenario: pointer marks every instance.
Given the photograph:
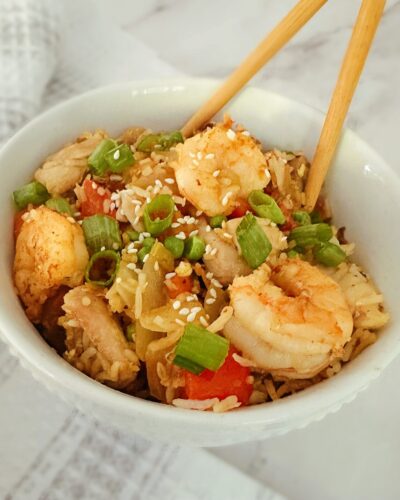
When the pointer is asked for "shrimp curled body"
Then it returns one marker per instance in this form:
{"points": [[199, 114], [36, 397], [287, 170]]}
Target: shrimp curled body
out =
{"points": [[291, 320]]}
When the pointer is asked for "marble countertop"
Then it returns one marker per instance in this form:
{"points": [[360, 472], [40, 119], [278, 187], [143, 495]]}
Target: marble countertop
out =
{"points": [[353, 454]]}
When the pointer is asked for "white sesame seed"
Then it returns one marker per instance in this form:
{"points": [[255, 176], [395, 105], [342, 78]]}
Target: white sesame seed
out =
{"points": [[210, 156], [216, 283], [132, 250], [208, 248], [145, 258], [192, 155], [193, 233], [191, 298], [175, 225], [246, 133], [209, 275], [86, 301], [267, 174], [112, 206], [115, 245], [180, 322], [190, 220], [169, 180], [102, 249], [137, 209], [226, 198], [146, 234], [213, 293], [210, 301], [176, 305], [214, 251], [208, 229], [199, 155], [195, 162], [115, 177], [191, 317], [118, 280], [136, 220], [231, 135], [156, 190], [131, 266], [136, 202], [227, 235], [196, 309], [181, 236], [184, 311], [216, 173], [156, 266], [114, 196], [101, 191], [71, 220], [198, 213], [158, 183], [203, 321], [94, 185], [117, 154], [77, 214], [168, 276]]}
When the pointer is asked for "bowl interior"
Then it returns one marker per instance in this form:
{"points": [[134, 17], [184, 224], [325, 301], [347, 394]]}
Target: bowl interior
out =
{"points": [[365, 196]]}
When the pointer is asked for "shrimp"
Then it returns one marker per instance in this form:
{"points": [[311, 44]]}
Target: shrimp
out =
{"points": [[291, 320], [95, 342], [62, 170], [227, 262], [50, 252], [216, 167]]}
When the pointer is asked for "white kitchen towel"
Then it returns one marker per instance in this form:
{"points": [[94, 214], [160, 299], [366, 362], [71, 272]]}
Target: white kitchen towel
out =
{"points": [[50, 50]]}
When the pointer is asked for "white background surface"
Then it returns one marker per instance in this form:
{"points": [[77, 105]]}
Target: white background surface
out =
{"points": [[354, 454]]}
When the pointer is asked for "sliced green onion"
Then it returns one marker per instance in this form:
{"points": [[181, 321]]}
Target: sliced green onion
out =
{"points": [[329, 254], [158, 214], [194, 248], [97, 273], [175, 246], [302, 217], [160, 142], [142, 254], [130, 332], [253, 241], [217, 221], [265, 206], [97, 162], [101, 231], [199, 349], [292, 254], [60, 205], [310, 235], [119, 158], [34, 193], [316, 217], [148, 242], [131, 234]]}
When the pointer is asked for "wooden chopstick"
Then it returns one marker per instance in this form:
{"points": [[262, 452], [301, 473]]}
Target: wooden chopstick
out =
{"points": [[271, 44], [357, 51]]}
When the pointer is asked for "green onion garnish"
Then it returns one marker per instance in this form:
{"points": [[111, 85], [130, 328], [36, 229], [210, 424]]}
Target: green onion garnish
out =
{"points": [[159, 142], [101, 232], [217, 221], [316, 217], [253, 241], [302, 217], [102, 268], [194, 248], [158, 214], [34, 193], [148, 242], [265, 206], [310, 235], [175, 246], [329, 254], [142, 254], [97, 162], [132, 235], [130, 332], [199, 349], [60, 205], [119, 158], [292, 254]]}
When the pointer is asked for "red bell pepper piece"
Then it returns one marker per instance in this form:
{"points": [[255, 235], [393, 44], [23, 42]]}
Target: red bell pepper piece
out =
{"points": [[179, 284], [242, 207], [229, 380]]}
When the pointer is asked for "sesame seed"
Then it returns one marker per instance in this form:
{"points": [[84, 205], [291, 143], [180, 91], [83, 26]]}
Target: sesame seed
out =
{"points": [[231, 135], [132, 250], [156, 190], [208, 229], [136, 220], [102, 249], [210, 156], [193, 233], [214, 251], [216, 283], [146, 234], [115, 177], [208, 248], [181, 236], [131, 266], [137, 209], [191, 298], [168, 276], [198, 213], [94, 185], [209, 275], [210, 301], [71, 220], [136, 202], [112, 206], [227, 235], [117, 154], [267, 174], [169, 180], [158, 183], [203, 321], [226, 198], [101, 191], [192, 155], [180, 322], [213, 293], [216, 173], [176, 305], [118, 280], [114, 196], [115, 245], [77, 214], [246, 133], [145, 258], [191, 317], [195, 162], [199, 155], [156, 266], [175, 225], [184, 311], [86, 301], [196, 309]]}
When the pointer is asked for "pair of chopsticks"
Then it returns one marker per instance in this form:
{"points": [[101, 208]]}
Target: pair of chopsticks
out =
{"points": [[360, 43]]}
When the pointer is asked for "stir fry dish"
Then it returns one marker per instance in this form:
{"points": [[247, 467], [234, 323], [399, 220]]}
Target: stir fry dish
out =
{"points": [[187, 271]]}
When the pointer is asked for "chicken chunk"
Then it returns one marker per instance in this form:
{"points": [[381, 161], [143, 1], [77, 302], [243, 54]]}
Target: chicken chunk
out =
{"points": [[50, 252]]}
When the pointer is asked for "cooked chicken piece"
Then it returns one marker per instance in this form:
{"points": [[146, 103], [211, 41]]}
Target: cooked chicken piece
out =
{"points": [[50, 252], [62, 170], [95, 342]]}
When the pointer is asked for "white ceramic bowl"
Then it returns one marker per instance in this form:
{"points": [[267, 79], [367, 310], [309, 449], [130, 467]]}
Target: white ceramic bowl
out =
{"points": [[365, 194]]}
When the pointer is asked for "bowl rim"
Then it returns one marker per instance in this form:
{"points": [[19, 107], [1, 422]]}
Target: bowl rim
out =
{"points": [[339, 389]]}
